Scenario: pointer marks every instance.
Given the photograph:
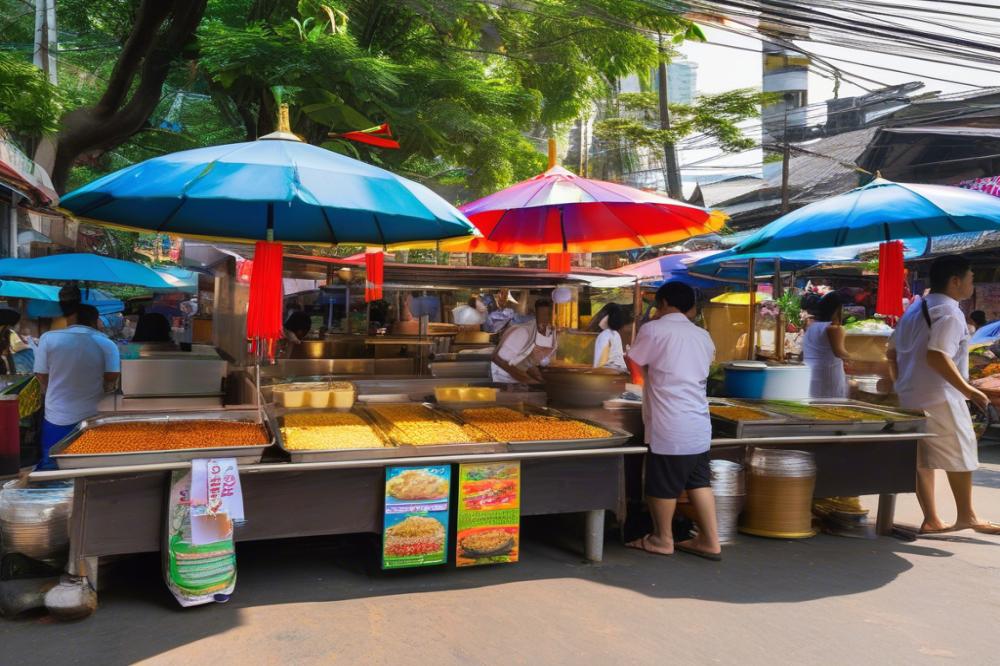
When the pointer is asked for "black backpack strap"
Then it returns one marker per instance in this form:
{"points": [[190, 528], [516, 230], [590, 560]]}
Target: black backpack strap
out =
{"points": [[926, 312]]}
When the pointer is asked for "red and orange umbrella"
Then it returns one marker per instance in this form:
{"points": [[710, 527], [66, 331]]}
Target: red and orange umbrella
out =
{"points": [[558, 212]]}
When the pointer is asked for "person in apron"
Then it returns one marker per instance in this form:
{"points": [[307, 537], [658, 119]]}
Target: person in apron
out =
{"points": [[824, 352], [524, 348]]}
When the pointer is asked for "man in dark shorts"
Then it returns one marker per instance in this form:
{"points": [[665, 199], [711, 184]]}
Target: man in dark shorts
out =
{"points": [[676, 356]]}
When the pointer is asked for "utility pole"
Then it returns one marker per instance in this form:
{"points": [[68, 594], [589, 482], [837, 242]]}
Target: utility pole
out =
{"points": [[670, 165], [786, 153], [46, 49]]}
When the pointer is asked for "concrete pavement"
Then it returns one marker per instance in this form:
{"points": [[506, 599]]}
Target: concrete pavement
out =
{"points": [[825, 600]]}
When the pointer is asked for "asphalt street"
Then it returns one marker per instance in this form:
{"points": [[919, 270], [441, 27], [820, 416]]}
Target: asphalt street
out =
{"points": [[825, 600]]}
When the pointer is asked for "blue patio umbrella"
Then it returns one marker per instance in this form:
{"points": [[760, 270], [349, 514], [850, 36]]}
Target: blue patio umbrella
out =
{"points": [[877, 212], [43, 299], [84, 267], [733, 264], [271, 189]]}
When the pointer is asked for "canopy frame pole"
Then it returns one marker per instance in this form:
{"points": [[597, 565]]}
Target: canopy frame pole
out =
{"points": [[636, 309], [752, 315], [779, 328]]}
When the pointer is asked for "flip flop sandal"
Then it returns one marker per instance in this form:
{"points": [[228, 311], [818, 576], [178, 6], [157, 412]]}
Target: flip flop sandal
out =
{"points": [[986, 528], [643, 545], [942, 530], [715, 557]]}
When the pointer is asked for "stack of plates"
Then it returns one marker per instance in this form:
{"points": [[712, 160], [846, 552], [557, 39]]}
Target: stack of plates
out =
{"points": [[35, 521]]}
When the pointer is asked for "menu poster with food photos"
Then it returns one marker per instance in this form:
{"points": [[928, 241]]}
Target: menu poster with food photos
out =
{"points": [[489, 513], [415, 530]]}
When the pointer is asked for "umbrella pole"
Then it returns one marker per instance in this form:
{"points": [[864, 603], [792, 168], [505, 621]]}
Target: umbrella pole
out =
{"points": [[752, 318]]}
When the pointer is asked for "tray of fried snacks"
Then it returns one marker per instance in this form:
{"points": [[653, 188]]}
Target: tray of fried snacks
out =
{"points": [[527, 427], [320, 435], [140, 438], [418, 428]]}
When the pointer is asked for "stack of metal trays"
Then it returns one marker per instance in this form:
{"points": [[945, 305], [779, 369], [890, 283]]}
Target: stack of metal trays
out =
{"points": [[615, 437], [243, 454], [34, 521], [387, 450], [478, 441]]}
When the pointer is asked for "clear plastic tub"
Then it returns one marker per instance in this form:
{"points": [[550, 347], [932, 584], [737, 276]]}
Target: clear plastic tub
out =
{"points": [[342, 395]]}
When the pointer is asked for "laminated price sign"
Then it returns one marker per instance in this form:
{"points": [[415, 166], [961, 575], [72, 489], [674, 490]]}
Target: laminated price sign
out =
{"points": [[489, 513], [416, 516]]}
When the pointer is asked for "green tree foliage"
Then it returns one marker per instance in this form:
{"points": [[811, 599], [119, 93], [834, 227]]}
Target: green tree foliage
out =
{"points": [[29, 105], [470, 88]]}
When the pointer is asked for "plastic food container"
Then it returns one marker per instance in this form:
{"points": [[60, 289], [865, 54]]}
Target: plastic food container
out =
{"points": [[290, 397], [465, 394], [341, 395], [297, 396]]}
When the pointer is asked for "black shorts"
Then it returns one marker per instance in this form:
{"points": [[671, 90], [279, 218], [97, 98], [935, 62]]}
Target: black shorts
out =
{"points": [[668, 476]]}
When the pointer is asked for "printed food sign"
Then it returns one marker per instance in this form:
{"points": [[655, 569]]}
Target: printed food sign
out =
{"points": [[416, 516], [489, 513]]}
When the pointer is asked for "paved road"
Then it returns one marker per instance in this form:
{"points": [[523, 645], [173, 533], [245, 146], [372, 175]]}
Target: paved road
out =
{"points": [[825, 600]]}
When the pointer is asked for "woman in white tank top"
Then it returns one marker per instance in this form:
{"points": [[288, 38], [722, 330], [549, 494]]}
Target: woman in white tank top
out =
{"points": [[824, 352]]}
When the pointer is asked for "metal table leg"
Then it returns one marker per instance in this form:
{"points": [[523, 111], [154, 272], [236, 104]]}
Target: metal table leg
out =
{"points": [[594, 540], [886, 514]]}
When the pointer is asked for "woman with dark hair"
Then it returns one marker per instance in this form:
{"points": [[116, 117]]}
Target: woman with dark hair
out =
{"points": [[824, 351], [152, 327], [608, 349]]}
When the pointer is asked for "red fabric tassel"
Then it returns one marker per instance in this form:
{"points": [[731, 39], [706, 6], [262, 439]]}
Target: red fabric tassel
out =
{"points": [[891, 278], [374, 272], [559, 262], [264, 326]]}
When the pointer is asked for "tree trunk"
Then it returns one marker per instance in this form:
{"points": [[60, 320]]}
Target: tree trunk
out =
{"points": [[161, 30]]}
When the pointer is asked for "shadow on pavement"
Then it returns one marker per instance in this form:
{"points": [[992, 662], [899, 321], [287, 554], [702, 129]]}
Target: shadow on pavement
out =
{"points": [[342, 568]]}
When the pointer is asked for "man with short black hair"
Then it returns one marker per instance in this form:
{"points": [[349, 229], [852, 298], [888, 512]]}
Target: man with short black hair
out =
{"points": [[676, 357], [75, 366], [929, 358]]}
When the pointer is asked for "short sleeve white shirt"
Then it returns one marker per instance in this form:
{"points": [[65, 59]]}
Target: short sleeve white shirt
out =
{"points": [[510, 350], [678, 357], [918, 385], [612, 341], [75, 359]]}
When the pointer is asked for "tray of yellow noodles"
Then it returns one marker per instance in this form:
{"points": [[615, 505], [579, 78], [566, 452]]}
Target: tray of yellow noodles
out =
{"points": [[326, 434], [421, 429], [527, 427]]}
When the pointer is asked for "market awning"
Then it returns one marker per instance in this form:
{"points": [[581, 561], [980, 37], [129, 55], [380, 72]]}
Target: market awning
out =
{"points": [[43, 299], [20, 173]]}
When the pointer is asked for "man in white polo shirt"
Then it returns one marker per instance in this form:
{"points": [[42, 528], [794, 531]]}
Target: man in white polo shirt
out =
{"points": [[929, 354], [676, 356], [75, 366]]}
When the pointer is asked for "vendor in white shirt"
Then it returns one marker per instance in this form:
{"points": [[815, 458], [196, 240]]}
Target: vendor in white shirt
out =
{"points": [[609, 352], [524, 348], [929, 358]]}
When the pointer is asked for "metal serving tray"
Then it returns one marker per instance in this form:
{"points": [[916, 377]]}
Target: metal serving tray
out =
{"points": [[774, 426], [618, 437], [390, 450], [404, 449], [796, 425], [243, 454]]}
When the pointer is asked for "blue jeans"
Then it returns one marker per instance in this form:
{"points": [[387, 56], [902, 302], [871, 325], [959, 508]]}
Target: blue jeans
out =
{"points": [[52, 434]]}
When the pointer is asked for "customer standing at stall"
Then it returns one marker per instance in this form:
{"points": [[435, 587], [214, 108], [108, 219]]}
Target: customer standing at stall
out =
{"points": [[676, 356], [524, 348], [929, 359], [823, 349], [609, 351], [75, 366]]}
